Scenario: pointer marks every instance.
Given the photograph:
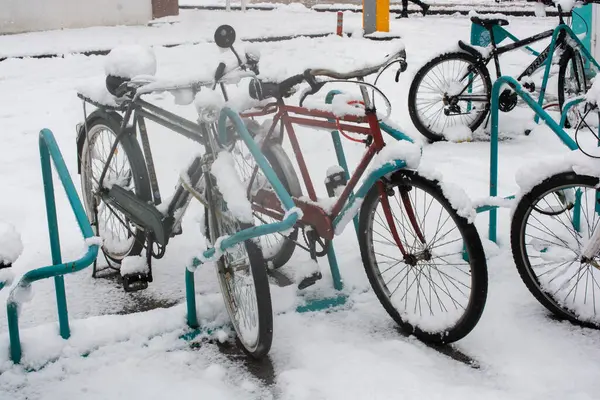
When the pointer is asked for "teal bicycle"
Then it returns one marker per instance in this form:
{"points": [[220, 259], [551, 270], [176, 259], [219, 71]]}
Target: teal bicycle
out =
{"points": [[453, 90]]}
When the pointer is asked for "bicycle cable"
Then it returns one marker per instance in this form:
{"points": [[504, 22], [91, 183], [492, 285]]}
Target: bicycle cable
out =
{"points": [[577, 129]]}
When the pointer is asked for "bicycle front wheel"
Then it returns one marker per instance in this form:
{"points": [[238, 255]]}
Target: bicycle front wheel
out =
{"points": [[242, 274], [433, 283], [550, 227], [449, 93]]}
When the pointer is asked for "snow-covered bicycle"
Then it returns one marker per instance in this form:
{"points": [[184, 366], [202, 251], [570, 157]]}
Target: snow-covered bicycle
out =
{"points": [[555, 231], [122, 198]]}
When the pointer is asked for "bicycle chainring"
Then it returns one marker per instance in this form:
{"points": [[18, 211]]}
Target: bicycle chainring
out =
{"points": [[507, 100]]}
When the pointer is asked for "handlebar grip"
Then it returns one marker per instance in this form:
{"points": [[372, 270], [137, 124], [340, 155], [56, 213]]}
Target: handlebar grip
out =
{"points": [[220, 71], [287, 84]]}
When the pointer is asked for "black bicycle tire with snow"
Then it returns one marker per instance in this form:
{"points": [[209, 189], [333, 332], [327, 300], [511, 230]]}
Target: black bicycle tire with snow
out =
{"points": [[566, 57], [517, 239], [137, 163], [473, 246], [418, 79]]}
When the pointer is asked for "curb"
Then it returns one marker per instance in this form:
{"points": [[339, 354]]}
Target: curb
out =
{"points": [[106, 51], [463, 9]]}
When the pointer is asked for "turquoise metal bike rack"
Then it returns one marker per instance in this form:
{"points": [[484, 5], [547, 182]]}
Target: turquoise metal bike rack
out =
{"points": [[536, 107], [579, 45], [49, 151]]}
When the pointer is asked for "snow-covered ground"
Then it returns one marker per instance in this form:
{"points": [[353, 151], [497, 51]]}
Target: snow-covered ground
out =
{"points": [[518, 352]]}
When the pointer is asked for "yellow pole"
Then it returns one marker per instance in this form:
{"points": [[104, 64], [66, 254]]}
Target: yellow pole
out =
{"points": [[382, 15]]}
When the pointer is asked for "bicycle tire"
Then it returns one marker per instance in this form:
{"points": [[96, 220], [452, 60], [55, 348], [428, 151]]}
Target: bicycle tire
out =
{"points": [[284, 169], [135, 158], [574, 57], [434, 135], [409, 180], [521, 215], [258, 268]]}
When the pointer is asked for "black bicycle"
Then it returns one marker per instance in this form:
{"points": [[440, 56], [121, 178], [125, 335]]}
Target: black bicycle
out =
{"points": [[453, 90]]}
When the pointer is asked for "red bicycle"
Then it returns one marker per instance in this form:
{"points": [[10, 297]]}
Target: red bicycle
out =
{"points": [[423, 258]]}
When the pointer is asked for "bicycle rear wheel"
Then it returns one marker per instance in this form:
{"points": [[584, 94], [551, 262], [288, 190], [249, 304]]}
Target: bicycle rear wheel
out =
{"points": [[127, 168], [433, 103], [277, 248], [572, 82], [437, 289], [550, 226], [242, 275]]}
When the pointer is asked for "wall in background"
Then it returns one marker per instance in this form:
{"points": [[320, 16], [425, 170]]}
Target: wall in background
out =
{"points": [[37, 15]]}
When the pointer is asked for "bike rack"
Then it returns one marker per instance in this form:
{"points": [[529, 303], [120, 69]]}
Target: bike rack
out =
{"points": [[49, 150], [579, 45], [540, 112]]}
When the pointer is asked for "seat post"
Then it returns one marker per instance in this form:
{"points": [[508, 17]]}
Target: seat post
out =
{"points": [[495, 55]]}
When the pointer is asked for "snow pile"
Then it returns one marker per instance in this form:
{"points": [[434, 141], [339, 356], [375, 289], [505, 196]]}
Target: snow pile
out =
{"points": [[403, 150], [97, 92], [134, 265], [208, 99], [11, 246], [348, 215], [533, 174], [93, 241], [340, 106], [458, 133], [130, 61], [566, 5], [230, 186], [593, 95], [458, 198]]}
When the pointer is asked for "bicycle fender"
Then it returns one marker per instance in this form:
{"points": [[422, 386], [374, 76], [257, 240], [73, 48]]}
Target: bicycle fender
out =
{"points": [[354, 204], [81, 131]]}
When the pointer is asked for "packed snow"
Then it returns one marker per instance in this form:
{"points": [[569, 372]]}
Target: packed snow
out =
{"points": [[11, 246], [130, 61], [134, 265], [230, 186], [516, 351]]}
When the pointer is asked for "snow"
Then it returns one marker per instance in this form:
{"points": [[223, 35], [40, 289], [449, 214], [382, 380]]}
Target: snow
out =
{"points": [[11, 246], [134, 265], [93, 241], [230, 186], [403, 150], [348, 215], [7, 276], [458, 133], [130, 61], [593, 95], [355, 352], [535, 173], [97, 92]]}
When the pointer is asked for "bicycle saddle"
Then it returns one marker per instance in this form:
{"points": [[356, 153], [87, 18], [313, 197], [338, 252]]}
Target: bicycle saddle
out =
{"points": [[113, 85], [489, 23]]}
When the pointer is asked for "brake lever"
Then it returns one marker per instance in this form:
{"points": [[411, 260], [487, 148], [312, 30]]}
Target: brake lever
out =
{"points": [[313, 89]]}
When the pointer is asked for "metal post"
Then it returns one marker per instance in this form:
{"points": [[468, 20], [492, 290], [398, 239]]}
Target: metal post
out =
{"points": [[494, 160], [333, 266], [340, 23], [61, 301], [190, 297], [376, 16]]}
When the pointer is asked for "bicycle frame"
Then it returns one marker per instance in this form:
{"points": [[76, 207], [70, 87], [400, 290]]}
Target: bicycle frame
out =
{"points": [[348, 202]]}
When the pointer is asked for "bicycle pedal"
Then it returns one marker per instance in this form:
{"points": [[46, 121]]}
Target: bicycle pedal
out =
{"points": [[135, 282], [310, 280]]}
